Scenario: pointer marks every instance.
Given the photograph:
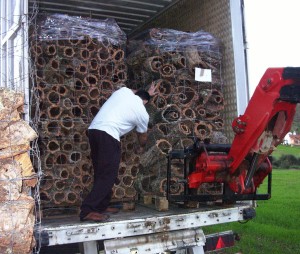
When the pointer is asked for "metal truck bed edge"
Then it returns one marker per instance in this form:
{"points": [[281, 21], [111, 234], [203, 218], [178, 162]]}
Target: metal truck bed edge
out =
{"points": [[143, 220]]}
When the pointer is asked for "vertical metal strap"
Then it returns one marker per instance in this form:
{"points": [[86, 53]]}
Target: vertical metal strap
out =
{"points": [[168, 175]]}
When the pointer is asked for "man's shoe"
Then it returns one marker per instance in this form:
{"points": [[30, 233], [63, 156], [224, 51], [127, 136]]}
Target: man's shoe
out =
{"points": [[111, 210], [96, 217]]}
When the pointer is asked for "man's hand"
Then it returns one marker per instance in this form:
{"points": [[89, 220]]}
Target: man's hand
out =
{"points": [[152, 90]]}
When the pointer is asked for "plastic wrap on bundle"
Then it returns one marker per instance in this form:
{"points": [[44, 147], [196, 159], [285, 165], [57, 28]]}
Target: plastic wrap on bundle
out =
{"points": [[170, 39], [171, 54], [62, 27]]}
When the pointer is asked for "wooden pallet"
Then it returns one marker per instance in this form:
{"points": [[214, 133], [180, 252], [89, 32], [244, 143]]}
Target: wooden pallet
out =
{"points": [[57, 212], [159, 202], [126, 204]]}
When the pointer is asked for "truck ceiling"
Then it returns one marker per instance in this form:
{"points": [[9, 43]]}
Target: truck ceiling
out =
{"points": [[129, 14]]}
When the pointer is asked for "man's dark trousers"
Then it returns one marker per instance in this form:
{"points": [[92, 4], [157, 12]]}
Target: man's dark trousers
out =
{"points": [[105, 155]]}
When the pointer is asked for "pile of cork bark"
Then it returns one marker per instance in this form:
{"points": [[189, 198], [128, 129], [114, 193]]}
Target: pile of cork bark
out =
{"points": [[77, 69], [184, 109], [16, 176]]}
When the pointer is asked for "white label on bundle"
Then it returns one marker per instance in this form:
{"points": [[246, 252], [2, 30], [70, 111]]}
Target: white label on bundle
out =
{"points": [[203, 75]]}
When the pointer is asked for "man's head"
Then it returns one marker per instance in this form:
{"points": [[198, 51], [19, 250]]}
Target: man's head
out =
{"points": [[144, 95]]}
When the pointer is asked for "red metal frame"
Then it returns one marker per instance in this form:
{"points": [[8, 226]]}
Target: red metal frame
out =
{"points": [[263, 126]]}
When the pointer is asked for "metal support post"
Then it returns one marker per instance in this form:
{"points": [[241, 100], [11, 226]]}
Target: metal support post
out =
{"points": [[196, 250], [90, 247]]}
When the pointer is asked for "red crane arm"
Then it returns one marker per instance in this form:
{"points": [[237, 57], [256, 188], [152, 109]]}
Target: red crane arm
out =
{"points": [[267, 119]]}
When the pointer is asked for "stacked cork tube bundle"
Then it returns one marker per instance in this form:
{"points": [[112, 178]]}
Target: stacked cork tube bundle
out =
{"points": [[183, 109], [80, 62]]}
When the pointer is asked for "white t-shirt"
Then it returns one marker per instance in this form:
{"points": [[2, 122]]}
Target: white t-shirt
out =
{"points": [[121, 113]]}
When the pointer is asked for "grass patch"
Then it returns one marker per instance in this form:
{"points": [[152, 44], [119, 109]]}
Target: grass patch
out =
{"points": [[286, 157], [286, 150], [276, 228]]}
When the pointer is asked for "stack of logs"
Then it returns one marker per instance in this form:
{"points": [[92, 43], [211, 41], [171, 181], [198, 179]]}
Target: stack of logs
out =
{"points": [[77, 69], [184, 109], [16, 176]]}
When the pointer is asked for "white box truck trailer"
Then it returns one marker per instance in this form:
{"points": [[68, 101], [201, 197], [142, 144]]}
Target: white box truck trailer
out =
{"points": [[144, 230]]}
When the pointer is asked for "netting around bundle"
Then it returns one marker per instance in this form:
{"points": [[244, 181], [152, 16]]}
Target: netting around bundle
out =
{"points": [[78, 63], [184, 109]]}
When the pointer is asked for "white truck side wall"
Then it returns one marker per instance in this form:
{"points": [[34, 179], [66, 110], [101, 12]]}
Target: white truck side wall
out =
{"points": [[242, 89], [14, 46]]}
